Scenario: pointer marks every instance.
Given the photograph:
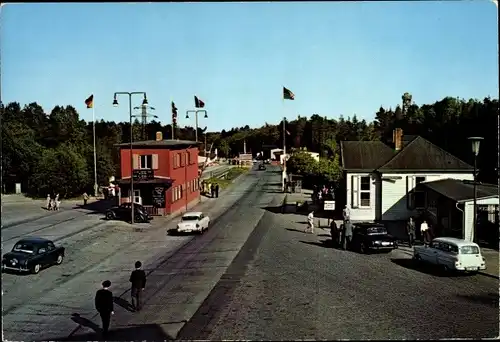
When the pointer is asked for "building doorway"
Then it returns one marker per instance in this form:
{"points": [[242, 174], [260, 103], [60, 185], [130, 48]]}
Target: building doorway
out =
{"points": [[137, 196]]}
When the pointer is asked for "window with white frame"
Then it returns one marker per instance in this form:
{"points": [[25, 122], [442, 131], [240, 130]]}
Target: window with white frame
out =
{"points": [[146, 161], [364, 191]]}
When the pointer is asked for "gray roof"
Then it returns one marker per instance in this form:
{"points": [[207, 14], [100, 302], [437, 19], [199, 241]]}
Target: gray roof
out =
{"points": [[417, 154], [364, 155], [161, 143], [460, 190], [422, 155]]}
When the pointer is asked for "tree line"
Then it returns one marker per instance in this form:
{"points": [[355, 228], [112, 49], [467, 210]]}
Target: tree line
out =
{"points": [[54, 152]]}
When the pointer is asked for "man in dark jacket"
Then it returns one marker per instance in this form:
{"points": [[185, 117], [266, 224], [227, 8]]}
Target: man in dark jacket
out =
{"points": [[347, 233], [104, 305], [216, 190], [410, 230], [138, 280], [336, 233]]}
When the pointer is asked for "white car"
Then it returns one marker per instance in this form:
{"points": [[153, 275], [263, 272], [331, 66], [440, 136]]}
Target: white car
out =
{"points": [[451, 254], [193, 222]]}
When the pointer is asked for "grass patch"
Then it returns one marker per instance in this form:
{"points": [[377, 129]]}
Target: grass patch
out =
{"points": [[231, 175]]}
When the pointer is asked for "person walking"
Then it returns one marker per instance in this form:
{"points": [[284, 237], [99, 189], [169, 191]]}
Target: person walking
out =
{"points": [[210, 189], [85, 198], [410, 230], [335, 232], [138, 280], [57, 203], [217, 190], [424, 230], [104, 305], [347, 235], [310, 223], [346, 213], [48, 202]]}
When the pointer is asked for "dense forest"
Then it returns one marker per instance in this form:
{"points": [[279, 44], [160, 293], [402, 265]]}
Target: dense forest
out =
{"points": [[54, 152]]}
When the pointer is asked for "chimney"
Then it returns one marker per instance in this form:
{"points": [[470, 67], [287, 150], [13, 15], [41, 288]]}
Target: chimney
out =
{"points": [[159, 136], [397, 138]]}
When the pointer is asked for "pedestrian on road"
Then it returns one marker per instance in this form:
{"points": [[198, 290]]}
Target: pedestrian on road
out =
{"points": [[138, 280], [48, 202], [424, 229], [347, 234], [217, 190], [85, 198], [346, 213], [410, 230], [104, 305], [57, 202], [310, 223], [335, 232], [210, 189]]}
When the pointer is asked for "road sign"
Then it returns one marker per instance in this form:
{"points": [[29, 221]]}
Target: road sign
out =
{"points": [[329, 205]]}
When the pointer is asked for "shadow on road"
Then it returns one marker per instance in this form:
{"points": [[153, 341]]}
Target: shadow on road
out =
{"points": [[99, 206], [123, 303], [143, 332], [323, 243], [490, 299], [296, 230], [421, 267], [85, 322]]}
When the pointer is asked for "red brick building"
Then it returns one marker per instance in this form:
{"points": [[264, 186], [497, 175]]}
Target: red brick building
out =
{"points": [[165, 174]]}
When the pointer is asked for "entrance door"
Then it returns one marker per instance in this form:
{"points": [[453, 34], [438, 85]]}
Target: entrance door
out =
{"points": [[137, 196]]}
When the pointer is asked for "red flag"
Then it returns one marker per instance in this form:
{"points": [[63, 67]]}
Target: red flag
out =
{"points": [[198, 103]]}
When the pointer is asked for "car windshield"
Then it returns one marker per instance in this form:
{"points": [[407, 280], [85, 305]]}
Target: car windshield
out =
{"points": [[24, 248], [190, 218], [469, 250], [376, 231]]}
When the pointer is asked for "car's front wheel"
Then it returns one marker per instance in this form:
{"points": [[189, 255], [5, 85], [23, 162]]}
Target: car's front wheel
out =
{"points": [[110, 215], [138, 218], [36, 269], [60, 259]]}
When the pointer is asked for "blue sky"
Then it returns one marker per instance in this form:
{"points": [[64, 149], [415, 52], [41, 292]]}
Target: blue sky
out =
{"points": [[338, 58]]}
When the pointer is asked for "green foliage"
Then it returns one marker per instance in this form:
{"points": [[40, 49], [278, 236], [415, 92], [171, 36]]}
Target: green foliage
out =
{"points": [[302, 163], [61, 170], [32, 140]]}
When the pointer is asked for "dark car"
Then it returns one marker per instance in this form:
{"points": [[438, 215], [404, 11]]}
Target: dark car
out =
{"points": [[369, 237], [262, 167], [32, 254], [124, 211]]}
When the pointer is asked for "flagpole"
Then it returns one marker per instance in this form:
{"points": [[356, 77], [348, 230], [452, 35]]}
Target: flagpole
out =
{"points": [[95, 155], [284, 140], [173, 124]]}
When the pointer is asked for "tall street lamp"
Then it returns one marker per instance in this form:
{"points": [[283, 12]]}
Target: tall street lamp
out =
{"points": [[115, 104], [475, 150], [196, 118]]}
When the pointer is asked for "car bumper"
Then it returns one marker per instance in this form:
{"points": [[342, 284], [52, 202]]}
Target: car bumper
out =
{"points": [[13, 268], [380, 247], [470, 269]]}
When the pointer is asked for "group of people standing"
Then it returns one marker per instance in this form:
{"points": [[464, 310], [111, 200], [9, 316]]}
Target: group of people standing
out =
{"points": [[342, 236], [212, 188], [104, 300], [53, 202], [425, 231]]}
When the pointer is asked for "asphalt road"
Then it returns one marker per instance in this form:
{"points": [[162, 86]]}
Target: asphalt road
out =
{"points": [[58, 302], [286, 285]]}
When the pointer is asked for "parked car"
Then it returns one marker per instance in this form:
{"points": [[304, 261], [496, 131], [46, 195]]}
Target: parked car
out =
{"points": [[193, 222], [124, 212], [451, 254], [369, 237], [32, 254], [262, 167]]}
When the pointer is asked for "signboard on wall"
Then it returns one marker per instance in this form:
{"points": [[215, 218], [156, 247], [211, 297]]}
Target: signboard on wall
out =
{"points": [[329, 205], [143, 174], [159, 197]]}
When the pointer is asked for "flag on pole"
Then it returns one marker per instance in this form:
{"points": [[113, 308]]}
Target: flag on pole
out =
{"points": [[90, 101], [198, 103], [287, 94]]}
